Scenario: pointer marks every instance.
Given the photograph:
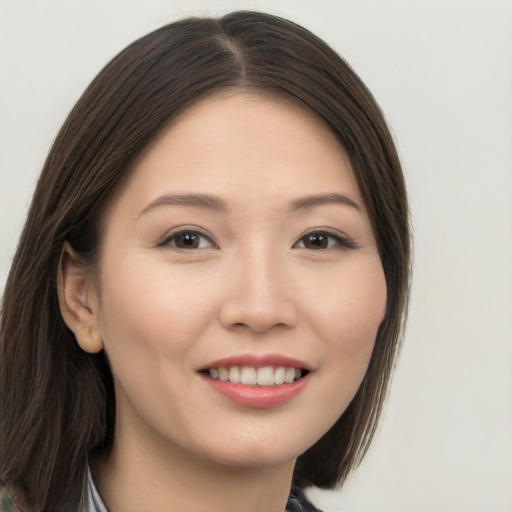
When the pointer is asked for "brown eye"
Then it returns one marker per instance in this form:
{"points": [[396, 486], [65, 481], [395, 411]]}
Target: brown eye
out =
{"points": [[321, 240], [188, 240], [316, 241]]}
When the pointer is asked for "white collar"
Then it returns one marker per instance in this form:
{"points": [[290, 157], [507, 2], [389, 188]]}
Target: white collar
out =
{"points": [[94, 501]]}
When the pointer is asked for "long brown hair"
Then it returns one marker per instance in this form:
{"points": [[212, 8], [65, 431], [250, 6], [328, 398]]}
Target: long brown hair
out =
{"points": [[56, 401]]}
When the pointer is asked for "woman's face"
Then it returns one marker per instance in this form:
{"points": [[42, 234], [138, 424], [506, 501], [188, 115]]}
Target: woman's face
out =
{"points": [[239, 248]]}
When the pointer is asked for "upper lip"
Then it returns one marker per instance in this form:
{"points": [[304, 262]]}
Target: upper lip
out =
{"points": [[258, 361]]}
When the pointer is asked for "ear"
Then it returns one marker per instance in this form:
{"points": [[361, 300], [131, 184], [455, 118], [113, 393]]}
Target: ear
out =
{"points": [[78, 300]]}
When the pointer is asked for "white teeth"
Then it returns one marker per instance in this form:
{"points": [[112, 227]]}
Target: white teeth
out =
{"points": [[279, 376], [248, 376], [265, 376], [251, 376], [289, 375], [234, 374]]}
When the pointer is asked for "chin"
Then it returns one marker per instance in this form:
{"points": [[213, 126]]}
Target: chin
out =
{"points": [[255, 460], [259, 453]]}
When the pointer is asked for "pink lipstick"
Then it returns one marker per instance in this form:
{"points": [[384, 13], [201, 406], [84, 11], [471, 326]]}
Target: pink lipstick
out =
{"points": [[257, 380]]}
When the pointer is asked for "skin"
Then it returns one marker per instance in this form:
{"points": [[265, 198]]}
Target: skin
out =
{"points": [[253, 285]]}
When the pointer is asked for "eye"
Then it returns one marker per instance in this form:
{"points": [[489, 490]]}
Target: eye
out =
{"points": [[321, 240], [188, 239]]}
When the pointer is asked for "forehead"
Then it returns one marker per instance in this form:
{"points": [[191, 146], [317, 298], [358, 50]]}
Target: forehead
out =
{"points": [[239, 144]]}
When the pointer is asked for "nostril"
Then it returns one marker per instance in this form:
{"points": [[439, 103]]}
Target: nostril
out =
{"points": [[242, 316], [260, 309]]}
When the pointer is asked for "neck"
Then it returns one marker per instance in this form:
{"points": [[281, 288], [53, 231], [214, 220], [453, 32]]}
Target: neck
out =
{"points": [[135, 477]]}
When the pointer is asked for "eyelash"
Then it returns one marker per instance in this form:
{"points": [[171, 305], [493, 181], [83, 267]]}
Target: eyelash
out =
{"points": [[167, 241], [340, 240]]}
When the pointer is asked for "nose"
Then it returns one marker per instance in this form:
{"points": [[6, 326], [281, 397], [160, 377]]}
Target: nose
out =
{"points": [[260, 296]]}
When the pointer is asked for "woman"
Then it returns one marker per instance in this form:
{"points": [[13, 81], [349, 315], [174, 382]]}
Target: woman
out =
{"points": [[208, 295]]}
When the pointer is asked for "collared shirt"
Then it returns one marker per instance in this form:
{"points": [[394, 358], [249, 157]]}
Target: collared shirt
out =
{"points": [[95, 503], [7, 502]]}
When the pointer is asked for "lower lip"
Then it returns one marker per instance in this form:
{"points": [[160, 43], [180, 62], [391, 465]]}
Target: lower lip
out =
{"points": [[258, 397]]}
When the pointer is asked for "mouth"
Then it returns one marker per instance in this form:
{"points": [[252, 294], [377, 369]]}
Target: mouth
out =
{"points": [[256, 375]]}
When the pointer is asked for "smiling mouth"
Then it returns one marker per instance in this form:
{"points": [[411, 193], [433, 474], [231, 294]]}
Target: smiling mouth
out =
{"points": [[256, 376]]}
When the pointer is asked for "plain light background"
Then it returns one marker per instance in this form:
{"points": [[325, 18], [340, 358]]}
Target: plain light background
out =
{"points": [[442, 73]]}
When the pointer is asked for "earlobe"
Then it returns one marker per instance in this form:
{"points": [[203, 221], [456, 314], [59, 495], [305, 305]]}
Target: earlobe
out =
{"points": [[78, 300]]}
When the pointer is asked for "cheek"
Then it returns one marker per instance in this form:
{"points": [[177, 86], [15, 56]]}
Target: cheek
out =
{"points": [[345, 315], [148, 309], [349, 315], [151, 320]]}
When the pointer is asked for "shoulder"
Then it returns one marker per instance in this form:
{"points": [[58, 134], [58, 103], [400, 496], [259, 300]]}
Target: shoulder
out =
{"points": [[7, 501]]}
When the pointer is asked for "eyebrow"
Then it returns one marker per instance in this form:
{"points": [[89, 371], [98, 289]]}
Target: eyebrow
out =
{"points": [[206, 201], [319, 199], [211, 202]]}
